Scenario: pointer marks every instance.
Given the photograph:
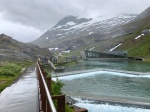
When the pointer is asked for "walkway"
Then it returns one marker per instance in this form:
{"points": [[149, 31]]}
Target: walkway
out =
{"points": [[21, 96]]}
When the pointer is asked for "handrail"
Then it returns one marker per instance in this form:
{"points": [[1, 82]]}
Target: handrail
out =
{"points": [[47, 92]]}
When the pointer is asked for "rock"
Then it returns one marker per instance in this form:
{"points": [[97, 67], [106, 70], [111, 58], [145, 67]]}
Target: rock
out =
{"points": [[146, 31], [81, 110]]}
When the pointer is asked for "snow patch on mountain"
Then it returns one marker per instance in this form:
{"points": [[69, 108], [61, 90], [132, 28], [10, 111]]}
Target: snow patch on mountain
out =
{"points": [[115, 47], [71, 23], [66, 51], [139, 36], [91, 33], [61, 37], [58, 34], [56, 28], [53, 48]]}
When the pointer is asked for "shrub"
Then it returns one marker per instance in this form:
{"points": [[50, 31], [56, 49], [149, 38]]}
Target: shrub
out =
{"points": [[10, 70], [5, 72], [56, 87]]}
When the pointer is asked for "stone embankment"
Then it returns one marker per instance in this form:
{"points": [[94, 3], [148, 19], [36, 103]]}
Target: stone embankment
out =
{"points": [[71, 102]]}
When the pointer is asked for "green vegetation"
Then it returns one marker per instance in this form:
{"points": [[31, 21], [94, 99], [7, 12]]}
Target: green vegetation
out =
{"points": [[9, 71], [137, 47], [72, 53], [69, 64], [56, 87], [68, 109], [147, 59], [141, 48]]}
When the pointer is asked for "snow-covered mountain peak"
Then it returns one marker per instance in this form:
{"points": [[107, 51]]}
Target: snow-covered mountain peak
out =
{"points": [[72, 29], [126, 15], [71, 20]]}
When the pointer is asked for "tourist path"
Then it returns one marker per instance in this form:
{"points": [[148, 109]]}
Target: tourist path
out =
{"points": [[21, 96]]}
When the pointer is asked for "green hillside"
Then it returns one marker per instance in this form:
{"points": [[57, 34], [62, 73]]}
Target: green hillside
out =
{"points": [[137, 47]]}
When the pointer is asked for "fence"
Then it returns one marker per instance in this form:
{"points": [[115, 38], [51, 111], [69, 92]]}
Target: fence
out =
{"points": [[46, 103]]}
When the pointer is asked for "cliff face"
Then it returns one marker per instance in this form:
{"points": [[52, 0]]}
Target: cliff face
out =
{"points": [[12, 50]]}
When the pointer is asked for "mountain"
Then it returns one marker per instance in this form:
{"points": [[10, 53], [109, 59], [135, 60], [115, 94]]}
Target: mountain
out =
{"points": [[137, 43], [123, 32], [143, 15], [74, 33], [12, 50]]}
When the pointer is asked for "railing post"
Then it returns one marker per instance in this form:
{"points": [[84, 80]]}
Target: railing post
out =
{"points": [[60, 102]]}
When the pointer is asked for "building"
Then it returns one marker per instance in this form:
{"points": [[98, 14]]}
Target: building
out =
{"points": [[87, 54]]}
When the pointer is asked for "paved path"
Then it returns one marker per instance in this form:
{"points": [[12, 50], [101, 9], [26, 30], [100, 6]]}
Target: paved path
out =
{"points": [[21, 96]]}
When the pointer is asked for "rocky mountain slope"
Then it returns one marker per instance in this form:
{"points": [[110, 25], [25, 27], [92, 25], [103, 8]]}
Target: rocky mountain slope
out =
{"points": [[73, 33], [12, 50], [103, 33]]}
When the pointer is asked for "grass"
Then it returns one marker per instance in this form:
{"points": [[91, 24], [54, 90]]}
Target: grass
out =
{"points": [[137, 48], [9, 72], [68, 109], [147, 59]]}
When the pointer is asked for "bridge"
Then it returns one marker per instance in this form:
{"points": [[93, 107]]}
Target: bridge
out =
{"points": [[31, 93]]}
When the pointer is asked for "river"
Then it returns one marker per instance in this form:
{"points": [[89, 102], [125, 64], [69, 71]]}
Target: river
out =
{"points": [[120, 81]]}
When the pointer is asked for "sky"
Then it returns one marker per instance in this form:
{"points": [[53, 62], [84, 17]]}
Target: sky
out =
{"points": [[26, 20]]}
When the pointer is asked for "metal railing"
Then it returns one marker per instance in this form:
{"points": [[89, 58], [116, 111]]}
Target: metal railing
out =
{"points": [[45, 99], [46, 102]]}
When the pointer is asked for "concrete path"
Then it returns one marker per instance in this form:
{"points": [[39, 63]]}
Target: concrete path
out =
{"points": [[22, 96]]}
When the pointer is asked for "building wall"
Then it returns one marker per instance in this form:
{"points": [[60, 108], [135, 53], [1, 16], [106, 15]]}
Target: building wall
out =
{"points": [[105, 54]]}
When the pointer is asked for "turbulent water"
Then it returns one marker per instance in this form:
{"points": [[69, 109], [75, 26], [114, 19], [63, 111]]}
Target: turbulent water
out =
{"points": [[92, 106], [109, 85]]}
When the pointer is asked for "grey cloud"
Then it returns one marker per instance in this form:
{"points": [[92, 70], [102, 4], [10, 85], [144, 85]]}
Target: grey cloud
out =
{"points": [[44, 14], [36, 13]]}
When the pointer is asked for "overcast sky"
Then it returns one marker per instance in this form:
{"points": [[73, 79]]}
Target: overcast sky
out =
{"points": [[26, 20]]}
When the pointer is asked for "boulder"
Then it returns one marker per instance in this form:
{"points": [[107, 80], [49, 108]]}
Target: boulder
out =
{"points": [[146, 31]]}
